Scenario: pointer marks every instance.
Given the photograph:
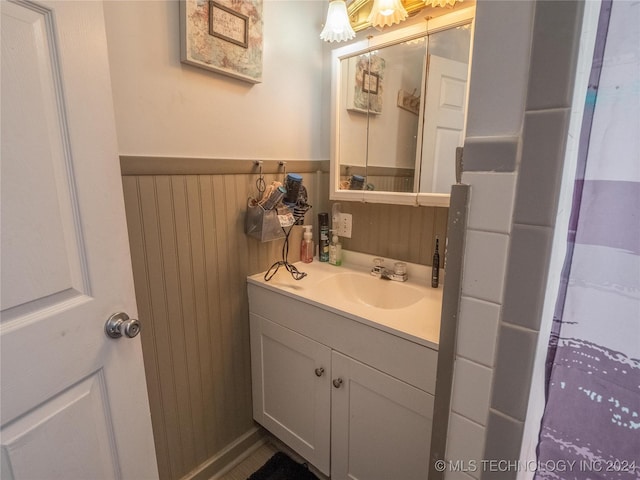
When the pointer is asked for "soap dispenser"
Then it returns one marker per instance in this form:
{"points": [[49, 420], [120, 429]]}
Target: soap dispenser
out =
{"points": [[306, 247], [335, 251]]}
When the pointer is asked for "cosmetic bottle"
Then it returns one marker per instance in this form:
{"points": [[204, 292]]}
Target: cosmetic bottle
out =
{"points": [[323, 237], [356, 183], [335, 251], [293, 182], [274, 198], [435, 270], [306, 247]]}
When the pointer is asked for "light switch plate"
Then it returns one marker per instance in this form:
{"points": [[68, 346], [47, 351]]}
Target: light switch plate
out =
{"points": [[344, 225]]}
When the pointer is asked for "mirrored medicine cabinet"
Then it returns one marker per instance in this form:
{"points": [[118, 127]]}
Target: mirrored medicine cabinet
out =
{"points": [[399, 112]]}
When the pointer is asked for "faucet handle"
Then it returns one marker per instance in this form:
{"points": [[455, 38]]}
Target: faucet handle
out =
{"points": [[400, 268], [378, 268]]}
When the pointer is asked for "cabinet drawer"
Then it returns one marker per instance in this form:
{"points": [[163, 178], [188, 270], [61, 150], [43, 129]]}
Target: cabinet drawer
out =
{"points": [[408, 361]]}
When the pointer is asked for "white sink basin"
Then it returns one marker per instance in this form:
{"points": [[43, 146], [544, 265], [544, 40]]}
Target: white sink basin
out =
{"points": [[409, 309], [369, 290]]}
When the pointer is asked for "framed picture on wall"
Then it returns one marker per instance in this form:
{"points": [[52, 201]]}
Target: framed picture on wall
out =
{"points": [[223, 36], [370, 82], [365, 83], [228, 24]]}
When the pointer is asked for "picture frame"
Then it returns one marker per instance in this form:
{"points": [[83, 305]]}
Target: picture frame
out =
{"points": [[223, 36], [409, 101], [365, 84], [228, 24], [370, 82]]}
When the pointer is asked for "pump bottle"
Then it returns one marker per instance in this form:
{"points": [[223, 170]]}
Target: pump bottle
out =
{"points": [[335, 251], [306, 247]]}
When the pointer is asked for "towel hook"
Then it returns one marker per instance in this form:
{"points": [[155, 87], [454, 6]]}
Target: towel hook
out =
{"points": [[260, 183]]}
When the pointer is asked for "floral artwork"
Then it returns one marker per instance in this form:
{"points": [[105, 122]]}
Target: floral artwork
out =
{"points": [[224, 36], [369, 83]]}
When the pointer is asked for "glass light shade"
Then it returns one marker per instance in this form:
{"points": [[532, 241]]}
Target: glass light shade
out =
{"points": [[440, 3], [386, 12], [337, 28]]}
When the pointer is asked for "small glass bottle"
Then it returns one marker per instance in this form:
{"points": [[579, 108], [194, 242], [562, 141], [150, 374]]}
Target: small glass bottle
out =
{"points": [[306, 247]]}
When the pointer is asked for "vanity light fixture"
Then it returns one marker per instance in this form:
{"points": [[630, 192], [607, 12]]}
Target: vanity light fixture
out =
{"points": [[387, 12], [441, 3], [337, 28]]}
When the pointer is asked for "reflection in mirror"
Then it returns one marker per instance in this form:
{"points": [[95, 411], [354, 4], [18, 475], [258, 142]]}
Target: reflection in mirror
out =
{"points": [[354, 114], [401, 112], [379, 120], [444, 108]]}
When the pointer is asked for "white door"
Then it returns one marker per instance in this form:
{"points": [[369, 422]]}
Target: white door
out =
{"points": [[380, 426], [291, 394], [445, 102], [73, 401]]}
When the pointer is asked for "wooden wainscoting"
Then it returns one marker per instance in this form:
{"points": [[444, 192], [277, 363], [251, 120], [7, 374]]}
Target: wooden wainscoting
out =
{"points": [[190, 263], [402, 232]]}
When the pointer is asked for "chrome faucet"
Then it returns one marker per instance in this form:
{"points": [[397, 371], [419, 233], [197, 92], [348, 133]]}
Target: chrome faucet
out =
{"points": [[398, 274]]}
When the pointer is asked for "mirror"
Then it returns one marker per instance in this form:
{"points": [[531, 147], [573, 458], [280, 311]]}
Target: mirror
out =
{"points": [[399, 104]]}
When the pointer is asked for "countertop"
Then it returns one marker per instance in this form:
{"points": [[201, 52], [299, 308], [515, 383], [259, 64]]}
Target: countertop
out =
{"points": [[419, 322]]}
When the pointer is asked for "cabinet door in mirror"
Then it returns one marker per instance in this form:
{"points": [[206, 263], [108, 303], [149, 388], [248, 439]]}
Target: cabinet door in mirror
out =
{"points": [[393, 130], [444, 108], [379, 117], [356, 83]]}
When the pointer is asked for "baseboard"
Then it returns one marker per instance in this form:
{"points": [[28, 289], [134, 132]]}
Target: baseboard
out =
{"points": [[229, 456]]}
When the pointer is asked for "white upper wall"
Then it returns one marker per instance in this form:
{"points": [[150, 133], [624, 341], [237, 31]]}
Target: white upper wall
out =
{"points": [[166, 108]]}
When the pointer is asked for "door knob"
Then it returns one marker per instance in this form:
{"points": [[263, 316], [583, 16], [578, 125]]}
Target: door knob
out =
{"points": [[319, 372], [120, 324], [337, 382]]}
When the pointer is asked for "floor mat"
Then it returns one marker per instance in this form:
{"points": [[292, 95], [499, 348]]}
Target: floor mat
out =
{"points": [[282, 467]]}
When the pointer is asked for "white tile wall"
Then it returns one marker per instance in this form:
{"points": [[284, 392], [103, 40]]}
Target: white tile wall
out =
{"points": [[491, 204], [465, 441], [477, 330], [498, 83], [484, 265], [471, 390]]}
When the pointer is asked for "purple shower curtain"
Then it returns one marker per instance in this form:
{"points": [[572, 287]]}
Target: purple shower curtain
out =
{"points": [[591, 424]]}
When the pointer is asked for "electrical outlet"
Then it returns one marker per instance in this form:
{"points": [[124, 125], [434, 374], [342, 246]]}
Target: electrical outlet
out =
{"points": [[344, 225]]}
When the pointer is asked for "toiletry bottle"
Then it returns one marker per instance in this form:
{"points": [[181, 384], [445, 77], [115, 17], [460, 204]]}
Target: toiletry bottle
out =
{"points": [[293, 182], [435, 270], [323, 240], [356, 183], [274, 198], [306, 247], [335, 251]]}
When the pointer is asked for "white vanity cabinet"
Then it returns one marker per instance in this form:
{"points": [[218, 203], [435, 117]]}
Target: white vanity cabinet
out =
{"points": [[291, 394], [353, 400]]}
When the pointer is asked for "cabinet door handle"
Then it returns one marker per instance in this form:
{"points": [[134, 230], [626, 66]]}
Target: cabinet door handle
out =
{"points": [[337, 382], [319, 372]]}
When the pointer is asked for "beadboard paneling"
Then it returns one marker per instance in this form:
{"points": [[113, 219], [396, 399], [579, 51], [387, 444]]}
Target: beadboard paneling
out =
{"points": [[190, 261], [396, 231]]}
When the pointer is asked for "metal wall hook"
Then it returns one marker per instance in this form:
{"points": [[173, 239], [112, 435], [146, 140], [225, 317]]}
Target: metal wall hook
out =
{"points": [[260, 183]]}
